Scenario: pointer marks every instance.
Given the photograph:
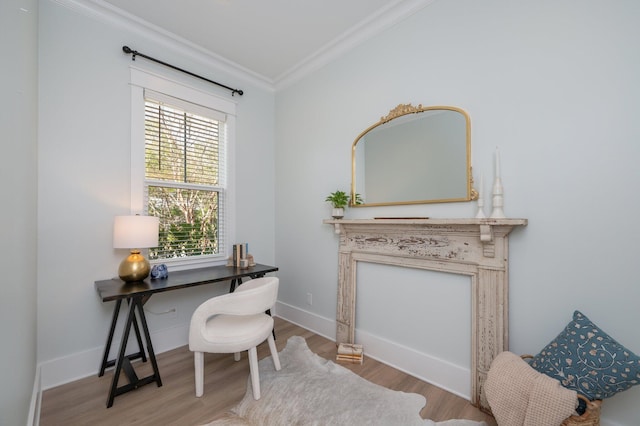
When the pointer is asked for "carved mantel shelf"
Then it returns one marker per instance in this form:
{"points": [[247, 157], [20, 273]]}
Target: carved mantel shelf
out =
{"points": [[478, 248], [485, 227]]}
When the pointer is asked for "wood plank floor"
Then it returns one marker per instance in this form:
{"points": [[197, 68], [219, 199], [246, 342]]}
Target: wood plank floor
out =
{"points": [[84, 402]]}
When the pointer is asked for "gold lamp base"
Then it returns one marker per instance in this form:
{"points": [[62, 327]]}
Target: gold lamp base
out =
{"points": [[134, 268]]}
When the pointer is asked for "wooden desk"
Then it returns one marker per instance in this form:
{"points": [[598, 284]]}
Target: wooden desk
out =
{"points": [[137, 294]]}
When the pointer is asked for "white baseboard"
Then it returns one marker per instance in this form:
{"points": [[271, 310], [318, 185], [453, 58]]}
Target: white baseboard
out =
{"points": [[83, 364], [425, 367], [77, 366], [441, 373], [438, 372], [313, 322], [33, 417]]}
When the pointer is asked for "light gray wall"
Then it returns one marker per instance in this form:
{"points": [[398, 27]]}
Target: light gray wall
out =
{"points": [[555, 86], [84, 175], [18, 173]]}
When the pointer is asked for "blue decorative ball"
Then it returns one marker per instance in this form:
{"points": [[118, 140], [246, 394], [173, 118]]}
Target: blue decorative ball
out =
{"points": [[159, 271]]}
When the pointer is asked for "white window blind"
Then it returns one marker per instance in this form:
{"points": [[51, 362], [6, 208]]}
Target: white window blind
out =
{"points": [[185, 176]]}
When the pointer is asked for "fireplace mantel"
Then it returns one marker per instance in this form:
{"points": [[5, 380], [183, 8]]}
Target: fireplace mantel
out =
{"points": [[478, 248]]}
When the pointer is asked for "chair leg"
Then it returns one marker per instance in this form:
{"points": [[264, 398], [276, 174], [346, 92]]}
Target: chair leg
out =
{"points": [[255, 375], [274, 352], [198, 359], [236, 356]]}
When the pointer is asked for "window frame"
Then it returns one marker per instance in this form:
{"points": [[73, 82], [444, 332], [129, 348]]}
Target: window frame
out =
{"points": [[142, 80]]}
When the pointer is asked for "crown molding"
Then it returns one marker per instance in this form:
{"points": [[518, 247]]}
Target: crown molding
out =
{"points": [[379, 21], [382, 19], [105, 12]]}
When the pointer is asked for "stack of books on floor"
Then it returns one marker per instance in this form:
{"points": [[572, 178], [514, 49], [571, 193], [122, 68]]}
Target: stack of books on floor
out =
{"points": [[350, 352]]}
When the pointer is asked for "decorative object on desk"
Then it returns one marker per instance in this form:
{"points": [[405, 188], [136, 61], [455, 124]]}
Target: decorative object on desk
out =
{"points": [[135, 233], [240, 253], [498, 192], [250, 260], [311, 390], [480, 213], [159, 272], [351, 353]]}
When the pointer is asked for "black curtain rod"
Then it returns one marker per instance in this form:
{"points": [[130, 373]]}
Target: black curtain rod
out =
{"points": [[134, 53]]}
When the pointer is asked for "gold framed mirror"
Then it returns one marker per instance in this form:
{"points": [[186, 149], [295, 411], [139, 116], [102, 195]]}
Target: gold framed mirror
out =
{"points": [[414, 155]]}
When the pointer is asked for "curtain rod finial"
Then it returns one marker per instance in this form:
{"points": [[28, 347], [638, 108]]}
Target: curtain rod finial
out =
{"points": [[127, 49]]}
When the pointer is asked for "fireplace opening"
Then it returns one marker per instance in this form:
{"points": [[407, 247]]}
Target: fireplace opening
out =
{"points": [[431, 339]]}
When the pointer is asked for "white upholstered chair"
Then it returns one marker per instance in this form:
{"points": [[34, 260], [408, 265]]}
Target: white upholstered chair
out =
{"points": [[232, 323]]}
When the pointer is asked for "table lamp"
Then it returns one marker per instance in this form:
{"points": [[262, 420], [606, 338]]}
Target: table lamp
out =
{"points": [[135, 233]]}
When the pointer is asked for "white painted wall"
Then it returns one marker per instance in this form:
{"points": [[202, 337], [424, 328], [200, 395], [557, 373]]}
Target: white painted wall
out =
{"points": [[18, 173], [555, 86], [84, 180]]}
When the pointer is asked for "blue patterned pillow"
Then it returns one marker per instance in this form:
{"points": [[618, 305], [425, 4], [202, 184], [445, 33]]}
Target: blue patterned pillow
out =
{"points": [[586, 359]]}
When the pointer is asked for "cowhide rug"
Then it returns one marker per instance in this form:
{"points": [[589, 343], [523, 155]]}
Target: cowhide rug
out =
{"points": [[310, 390]]}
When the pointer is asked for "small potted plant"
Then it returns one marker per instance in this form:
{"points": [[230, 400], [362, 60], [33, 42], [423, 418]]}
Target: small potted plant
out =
{"points": [[339, 200]]}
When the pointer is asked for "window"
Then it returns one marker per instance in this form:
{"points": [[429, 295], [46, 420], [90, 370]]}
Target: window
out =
{"points": [[179, 171], [182, 180]]}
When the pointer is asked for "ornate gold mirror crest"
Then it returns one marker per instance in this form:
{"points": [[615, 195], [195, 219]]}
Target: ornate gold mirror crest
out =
{"points": [[414, 155]]}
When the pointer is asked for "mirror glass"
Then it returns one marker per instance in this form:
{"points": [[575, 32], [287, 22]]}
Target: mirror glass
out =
{"points": [[414, 155]]}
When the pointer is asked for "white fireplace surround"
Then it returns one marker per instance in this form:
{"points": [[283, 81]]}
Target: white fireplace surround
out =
{"points": [[478, 248]]}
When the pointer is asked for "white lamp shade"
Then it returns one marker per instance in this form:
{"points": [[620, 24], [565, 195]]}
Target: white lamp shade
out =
{"points": [[135, 232]]}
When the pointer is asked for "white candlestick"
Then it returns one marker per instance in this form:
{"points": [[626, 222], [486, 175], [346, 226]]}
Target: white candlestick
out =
{"points": [[480, 213], [498, 192]]}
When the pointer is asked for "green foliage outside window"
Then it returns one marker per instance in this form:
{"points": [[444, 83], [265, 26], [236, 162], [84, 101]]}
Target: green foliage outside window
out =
{"points": [[189, 224]]}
